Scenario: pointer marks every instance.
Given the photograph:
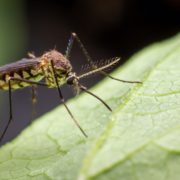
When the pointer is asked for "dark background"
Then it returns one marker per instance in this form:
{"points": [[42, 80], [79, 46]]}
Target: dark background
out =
{"points": [[108, 28]]}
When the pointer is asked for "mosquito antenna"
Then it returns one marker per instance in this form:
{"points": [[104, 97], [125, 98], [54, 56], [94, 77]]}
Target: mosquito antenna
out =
{"points": [[89, 59], [101, 70], [92, 94], [116, 60], [62, 100]]}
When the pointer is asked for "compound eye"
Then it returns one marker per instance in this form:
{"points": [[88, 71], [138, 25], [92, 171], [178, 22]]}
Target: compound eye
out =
{"points": [[70, 80]]}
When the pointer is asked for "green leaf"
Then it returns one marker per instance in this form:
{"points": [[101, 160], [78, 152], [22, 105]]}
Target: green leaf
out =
{"points": [[138, 140]]}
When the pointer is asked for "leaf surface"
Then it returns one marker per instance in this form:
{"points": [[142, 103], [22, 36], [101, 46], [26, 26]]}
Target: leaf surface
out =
{"points": [[138, 140]]}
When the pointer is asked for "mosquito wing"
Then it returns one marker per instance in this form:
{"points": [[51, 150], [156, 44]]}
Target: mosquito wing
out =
{"points": [[25, 63]]}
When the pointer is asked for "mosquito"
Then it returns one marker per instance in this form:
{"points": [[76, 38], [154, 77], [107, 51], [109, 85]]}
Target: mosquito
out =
{"points": [[52, 70]]}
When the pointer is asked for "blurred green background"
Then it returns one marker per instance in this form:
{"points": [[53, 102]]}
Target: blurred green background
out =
{"points": [[13, 28]]}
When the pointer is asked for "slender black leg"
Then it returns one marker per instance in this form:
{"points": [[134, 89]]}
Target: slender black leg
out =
{"points": [[69, 46], [117, 79], [63, 102], [34, 83], [89, 59], [10, 99], [34, 101], [10, 111], [92, 94]]}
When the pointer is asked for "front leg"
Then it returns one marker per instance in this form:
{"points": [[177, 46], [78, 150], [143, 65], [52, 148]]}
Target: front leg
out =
{"points": [[63, 101], [10, 79]]}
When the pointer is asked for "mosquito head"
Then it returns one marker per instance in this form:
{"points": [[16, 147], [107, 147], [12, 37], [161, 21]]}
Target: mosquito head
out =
{"points": [[72, 79]]}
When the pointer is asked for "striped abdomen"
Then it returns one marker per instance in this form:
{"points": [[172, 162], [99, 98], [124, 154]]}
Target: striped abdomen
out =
{"points": [[28, 74], [35, 69]]}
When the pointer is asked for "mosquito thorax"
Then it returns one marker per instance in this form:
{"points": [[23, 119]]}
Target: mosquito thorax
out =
{"points": [[61, 64], [59, 60]]}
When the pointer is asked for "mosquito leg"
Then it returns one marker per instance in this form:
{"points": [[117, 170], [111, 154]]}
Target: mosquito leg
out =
{"points": [[10, 110], [86, 54], [92, 94], [69, 46], [10, 99], [90, 61], [34, 83], [117, 79], [34, 100], [63, 102]]}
